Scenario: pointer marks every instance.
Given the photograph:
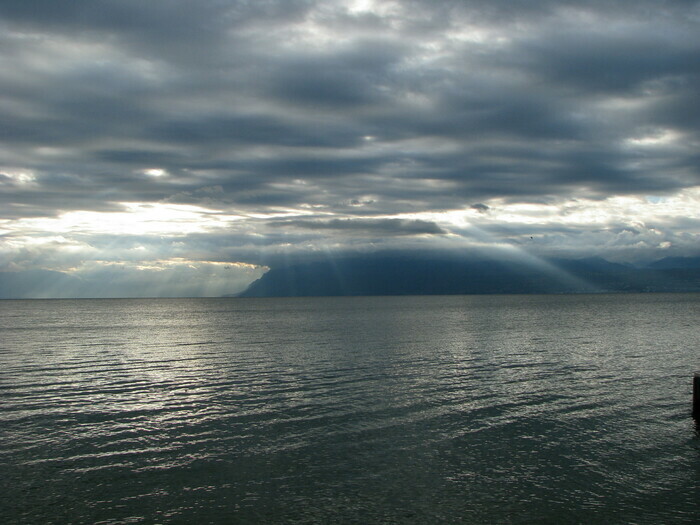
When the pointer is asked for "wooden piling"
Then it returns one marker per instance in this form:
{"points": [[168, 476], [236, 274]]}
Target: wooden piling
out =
{"points": [[696, 395]]}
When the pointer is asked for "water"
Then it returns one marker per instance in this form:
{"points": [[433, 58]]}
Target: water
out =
{"points": [[467, 409]]}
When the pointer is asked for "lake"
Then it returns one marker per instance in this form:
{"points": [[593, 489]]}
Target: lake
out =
{"points": [[431, 409]]}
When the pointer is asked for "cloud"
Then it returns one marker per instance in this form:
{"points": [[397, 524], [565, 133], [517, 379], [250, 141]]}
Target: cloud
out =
{"points": [[369, 226], [480, 207], [346, 125]]}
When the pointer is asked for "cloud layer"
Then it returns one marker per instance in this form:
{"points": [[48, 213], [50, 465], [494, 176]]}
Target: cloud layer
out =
{"points": [[242, 132]]}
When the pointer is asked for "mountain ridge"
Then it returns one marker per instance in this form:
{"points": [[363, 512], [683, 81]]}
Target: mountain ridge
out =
{"points": [[397, 275]]}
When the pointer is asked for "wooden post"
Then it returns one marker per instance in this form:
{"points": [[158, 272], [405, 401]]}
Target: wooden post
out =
{"points": [[696, 395]]}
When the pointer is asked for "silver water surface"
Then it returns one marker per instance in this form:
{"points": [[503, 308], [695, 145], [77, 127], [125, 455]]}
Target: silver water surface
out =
{"points": [[473, 409]]}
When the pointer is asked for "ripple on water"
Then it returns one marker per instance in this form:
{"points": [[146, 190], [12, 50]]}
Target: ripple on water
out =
{"points": [[476, 409]]}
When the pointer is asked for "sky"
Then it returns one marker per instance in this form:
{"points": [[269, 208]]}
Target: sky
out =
{"points": [[175, 147]]}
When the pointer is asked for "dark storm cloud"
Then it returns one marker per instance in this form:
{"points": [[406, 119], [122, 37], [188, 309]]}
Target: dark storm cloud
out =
{"points": [[599, 63], [165, 27], [520, 91], [480, 207], [242, 129], [369, 226], [347, 78]]}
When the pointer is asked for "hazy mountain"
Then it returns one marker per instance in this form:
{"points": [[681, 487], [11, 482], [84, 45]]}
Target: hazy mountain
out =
{"points": [[670, 263], [396, 275]]}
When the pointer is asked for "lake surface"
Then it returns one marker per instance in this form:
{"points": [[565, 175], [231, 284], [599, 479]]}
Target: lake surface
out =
{"points": [[459, 409]]}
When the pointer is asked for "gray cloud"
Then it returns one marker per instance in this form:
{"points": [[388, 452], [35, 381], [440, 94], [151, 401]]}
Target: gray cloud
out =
{"points": [[311, 120], [480, 207], [369, 226]]}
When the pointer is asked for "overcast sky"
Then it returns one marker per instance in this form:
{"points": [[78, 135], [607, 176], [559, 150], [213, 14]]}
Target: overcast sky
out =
{"points": [[190, 144]]}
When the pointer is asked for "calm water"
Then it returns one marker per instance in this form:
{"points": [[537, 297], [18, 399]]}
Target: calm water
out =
{"points": [[468, 409]]}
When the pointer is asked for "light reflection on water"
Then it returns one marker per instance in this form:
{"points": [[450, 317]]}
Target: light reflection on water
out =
{"points": [[387, 409]]}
